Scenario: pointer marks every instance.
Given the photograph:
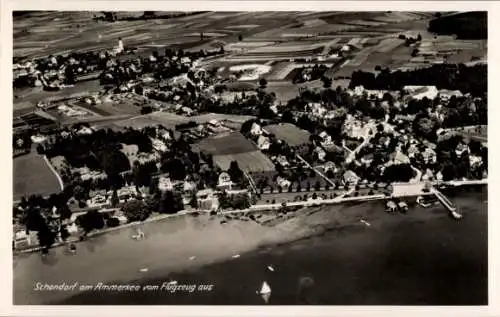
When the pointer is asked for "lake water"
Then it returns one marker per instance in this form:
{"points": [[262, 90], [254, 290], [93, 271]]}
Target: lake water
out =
{"points": [[408, 261]]}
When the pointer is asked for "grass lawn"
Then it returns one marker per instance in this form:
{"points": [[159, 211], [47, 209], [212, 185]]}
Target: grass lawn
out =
{"points": [[289, 133], [32, 175], [253, 161], [230, 143]]}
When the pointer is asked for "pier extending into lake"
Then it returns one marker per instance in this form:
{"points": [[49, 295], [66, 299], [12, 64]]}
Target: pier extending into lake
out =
{"points": [[445, 202]]}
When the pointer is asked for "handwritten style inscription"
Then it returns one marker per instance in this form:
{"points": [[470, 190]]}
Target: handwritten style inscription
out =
{"points": [[169, 287]]}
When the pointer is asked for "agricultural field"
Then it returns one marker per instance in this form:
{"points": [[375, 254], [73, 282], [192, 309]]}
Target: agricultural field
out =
{"points": [[171, 120], [119, 107], [367, 59], [289, 133], [224, 144], [139, 123], [453, 50], [57, 33], [23, 107], [204, 118], [271, 36], [63, 112], [251, 72], [25, 96], [254, 161], [286, 90], [283, 70], [32, 175]]}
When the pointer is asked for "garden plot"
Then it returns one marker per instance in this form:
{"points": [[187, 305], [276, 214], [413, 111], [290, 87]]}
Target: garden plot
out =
{"points": [[254, 161]]}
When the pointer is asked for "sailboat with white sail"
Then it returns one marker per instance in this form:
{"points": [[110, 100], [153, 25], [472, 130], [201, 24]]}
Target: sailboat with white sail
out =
{"points": [[265, 291]]}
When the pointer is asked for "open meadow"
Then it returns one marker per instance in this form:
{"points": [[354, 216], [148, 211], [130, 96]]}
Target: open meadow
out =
{"points": [[223, 144], [254, 161], [32, 175], [289, 133]]}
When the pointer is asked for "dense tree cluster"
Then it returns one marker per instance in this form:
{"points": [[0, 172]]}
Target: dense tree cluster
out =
{"points": [[99, 150], [454, 166], [35, 212], [235, 172], [465, 111], [170, 202], [467, 25], [92, 220], [136, 210], [467, 79], [304, 74], [425, 127], [111, 16], [398, 173], [142, 173], [180, 160], [235, 201]]}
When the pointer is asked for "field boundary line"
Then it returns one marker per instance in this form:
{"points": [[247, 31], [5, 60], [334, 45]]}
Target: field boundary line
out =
{"points": [[61, 184]]}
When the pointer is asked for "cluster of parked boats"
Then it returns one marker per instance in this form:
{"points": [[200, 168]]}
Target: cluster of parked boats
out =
{"points": [[427, 201], [395, 206]]}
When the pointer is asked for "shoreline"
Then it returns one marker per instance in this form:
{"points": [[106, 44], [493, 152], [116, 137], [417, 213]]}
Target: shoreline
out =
{"points": [[259, 208], [178, 245], [258, 248]]}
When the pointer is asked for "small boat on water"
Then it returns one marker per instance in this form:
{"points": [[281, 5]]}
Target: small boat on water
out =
{"points": [[265, 288], [402, 206], [391, 206], [426, 202]]}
